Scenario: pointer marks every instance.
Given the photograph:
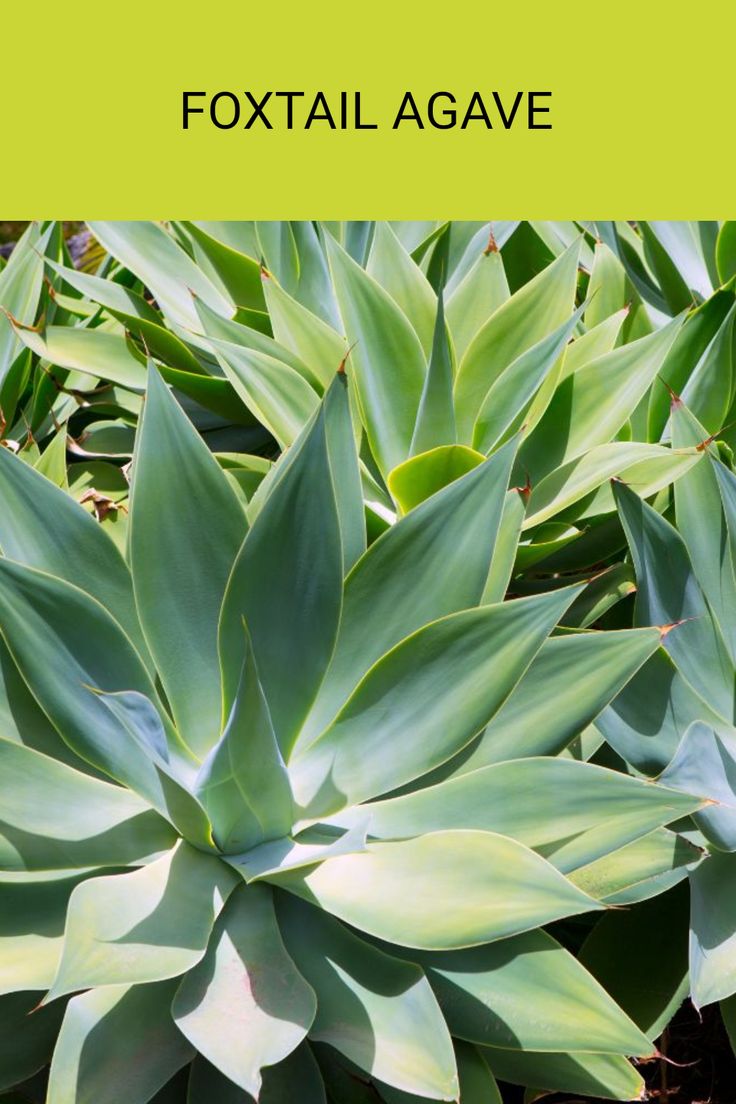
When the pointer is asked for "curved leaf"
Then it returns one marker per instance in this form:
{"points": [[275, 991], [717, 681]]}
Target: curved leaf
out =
{"points": [[32, 913], [572, 812], [529, 315], [110, 826], [433, 562], [243, 784], [185, 531], [713, 929], [123, 1027], [705, 763], [71, 653], [528, 993], [170, 274], [145, 926], [498, 887], [422, 702], [245, 1005], [673, 595], [387, 363], [600, 1075], [43, 527], [546, 710], [287, 578], [514, 388], [375, 1009], [423, 475]]}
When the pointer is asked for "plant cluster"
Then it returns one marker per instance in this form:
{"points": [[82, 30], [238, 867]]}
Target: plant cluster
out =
{"points": [[367, 658]]}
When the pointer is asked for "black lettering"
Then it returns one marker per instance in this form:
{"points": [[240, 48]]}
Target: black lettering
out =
{"points": [[413, 114], [359, 124], [534, 110], [289, 97], [213, 110], [476, 111], [323, 116], [450, 113], [507, 122], [258, 112], [187, 110]]}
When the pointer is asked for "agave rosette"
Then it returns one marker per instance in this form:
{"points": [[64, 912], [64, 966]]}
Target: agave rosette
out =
{"points": [[278, 810], [459, 337]]}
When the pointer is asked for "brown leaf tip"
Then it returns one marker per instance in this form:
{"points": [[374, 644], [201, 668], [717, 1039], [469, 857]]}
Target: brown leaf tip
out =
{"points": [[492, 246], [665, 629], [343, 362], [526, 490]]}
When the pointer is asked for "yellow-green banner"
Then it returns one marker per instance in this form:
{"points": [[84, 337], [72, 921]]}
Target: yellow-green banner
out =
{"points": [[389, 110]]}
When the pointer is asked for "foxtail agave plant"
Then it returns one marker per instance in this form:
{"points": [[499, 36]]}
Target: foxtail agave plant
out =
{"points": [[457, 338], [682, 728], [281, 814]]}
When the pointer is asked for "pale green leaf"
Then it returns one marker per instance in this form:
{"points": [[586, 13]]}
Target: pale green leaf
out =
{"points": [[428, 472], [666, 597], [122, 1027], [702, 524], [21, 284], [530, 314], [100, 353], [713, 929], [528, 993], [573, 813], [43, 527], [245, 1005], [514, 388], [387, 363], [186, 528], [287, 579], [151, 924], [243, 784], [277, 394], [647, 467], [32, 914], [306, 335], [548, 708], [375, 1009], [443, 684], [392, 267], [71, 653], [499, 888], [599, 1075], [590, 407], [166, 270], [639, 870], [431, 563], [705, 764], [474, 299], [110, 825]]}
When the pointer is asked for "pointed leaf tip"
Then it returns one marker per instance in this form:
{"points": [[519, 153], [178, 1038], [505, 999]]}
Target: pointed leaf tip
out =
{"points": [[492, 246], [525, 490], [665, 629], [343, 362]]}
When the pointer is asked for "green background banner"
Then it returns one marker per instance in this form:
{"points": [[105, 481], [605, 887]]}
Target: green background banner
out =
{"points": [[641, 110]]}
